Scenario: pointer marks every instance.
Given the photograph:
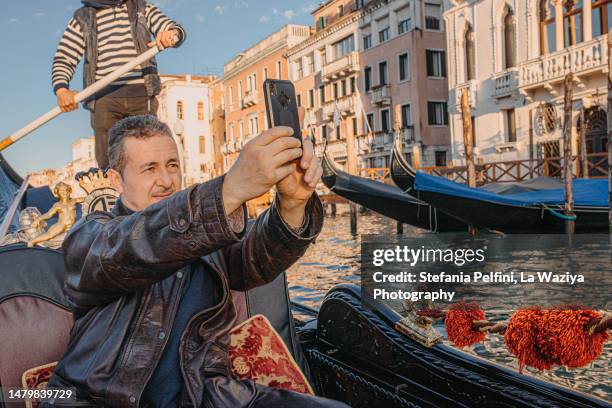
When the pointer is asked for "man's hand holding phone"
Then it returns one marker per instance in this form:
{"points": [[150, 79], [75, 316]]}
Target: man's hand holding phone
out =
{"points": [[271, 159]]}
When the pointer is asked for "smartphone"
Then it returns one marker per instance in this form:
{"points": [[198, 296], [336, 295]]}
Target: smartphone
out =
{"points": [[281, 105]]}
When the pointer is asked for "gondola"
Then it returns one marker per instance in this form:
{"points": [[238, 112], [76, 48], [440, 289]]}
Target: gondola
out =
{"points": [[530, 209], [387, 200]]}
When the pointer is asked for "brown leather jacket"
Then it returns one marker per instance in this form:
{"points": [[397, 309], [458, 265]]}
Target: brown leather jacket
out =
{"points": [[124, 276]]}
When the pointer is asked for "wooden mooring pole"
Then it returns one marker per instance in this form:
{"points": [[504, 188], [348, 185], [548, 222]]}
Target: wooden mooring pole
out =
{"points": [[584, 164], [567, 154], [467, 137], [610, 127], [351, 162]]}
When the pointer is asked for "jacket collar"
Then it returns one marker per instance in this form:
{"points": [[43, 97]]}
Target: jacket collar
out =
{"points": [[121, 209]]}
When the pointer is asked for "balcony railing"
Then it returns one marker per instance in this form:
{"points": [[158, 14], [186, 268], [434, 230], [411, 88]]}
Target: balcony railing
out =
{"points": [[250, 99], [381, 140], [346, 106], [579, 59], [341, 67], [506, 83], [381, 95], [455, 95]]}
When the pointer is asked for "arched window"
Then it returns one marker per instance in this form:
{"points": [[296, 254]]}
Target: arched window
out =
{"points": [[200, 110], [572, 22], [470, 59], [547, 27], [601, 17], [509, 53], [179, 110]]}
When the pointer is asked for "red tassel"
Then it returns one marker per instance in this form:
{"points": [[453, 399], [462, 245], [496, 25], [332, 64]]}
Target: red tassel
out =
{"points": [[459, 320], [520, 337], [543, 338]]}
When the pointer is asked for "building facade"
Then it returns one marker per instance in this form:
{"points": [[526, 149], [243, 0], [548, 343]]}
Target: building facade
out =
{"points": [[245, 110], [512, 57], [381, 66], [184, 104]]}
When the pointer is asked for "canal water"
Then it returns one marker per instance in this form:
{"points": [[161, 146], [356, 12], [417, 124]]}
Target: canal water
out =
{"points": [[334, 259]]}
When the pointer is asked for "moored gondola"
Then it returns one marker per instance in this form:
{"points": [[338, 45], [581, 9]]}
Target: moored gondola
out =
{"points": [[530, 210], [387, 200]]}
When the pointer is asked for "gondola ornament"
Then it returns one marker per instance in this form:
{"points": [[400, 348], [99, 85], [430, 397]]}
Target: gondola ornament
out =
{"points": [[101, 196], [65, 209]]}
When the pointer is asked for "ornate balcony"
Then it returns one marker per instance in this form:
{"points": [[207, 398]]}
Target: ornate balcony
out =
{"points": [[506, 83], [343, 66], [381, 95], [250, 99], [346, 106], [580, 59], [454, 99]]}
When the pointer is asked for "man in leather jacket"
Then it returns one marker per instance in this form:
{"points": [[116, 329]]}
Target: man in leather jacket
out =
{"points": [[150, 282]]}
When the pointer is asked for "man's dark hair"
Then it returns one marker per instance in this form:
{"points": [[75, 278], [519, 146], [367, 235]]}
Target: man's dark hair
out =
{"points": [[140, 127]]}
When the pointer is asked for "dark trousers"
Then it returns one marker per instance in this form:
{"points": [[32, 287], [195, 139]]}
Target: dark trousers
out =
{"points": [[108, 110]]}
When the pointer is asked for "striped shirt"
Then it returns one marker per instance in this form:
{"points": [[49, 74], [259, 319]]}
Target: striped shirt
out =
{"points": [[115, 45]]}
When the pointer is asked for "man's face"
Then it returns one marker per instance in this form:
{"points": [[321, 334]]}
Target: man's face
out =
{"points": [[152, 172]]}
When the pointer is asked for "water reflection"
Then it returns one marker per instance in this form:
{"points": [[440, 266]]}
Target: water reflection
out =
{"points": [[334, 259]]}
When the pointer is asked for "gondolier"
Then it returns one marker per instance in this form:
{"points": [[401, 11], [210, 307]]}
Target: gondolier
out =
{"points": [[109, 33]]}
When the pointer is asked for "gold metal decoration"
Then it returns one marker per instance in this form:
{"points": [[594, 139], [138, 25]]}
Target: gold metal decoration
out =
{"points": [[101, 196], [66, 212], [419, 329]]}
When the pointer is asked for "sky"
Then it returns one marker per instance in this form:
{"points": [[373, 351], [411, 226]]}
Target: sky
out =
{"points": [[216, 31]]}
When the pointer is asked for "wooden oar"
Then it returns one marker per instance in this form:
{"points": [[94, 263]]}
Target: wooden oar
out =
{"points": [[84, 94]]}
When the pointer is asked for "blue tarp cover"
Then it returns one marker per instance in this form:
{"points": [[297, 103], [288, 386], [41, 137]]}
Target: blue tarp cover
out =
{"points": [[587, 192]]}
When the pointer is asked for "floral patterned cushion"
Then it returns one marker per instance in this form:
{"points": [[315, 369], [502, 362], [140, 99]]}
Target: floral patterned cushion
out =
{"points": [[36, 379], [258, 353], [256, 350]]}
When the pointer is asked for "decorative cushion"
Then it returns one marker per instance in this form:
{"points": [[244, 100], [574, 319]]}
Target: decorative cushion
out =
{"points": [[37, 379], [258, 353]]}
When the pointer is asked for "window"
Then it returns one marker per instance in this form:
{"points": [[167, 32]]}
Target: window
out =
{"points": [[300, 72], [299, 100], [353, 85], [369, 122], [324, 131], [322, 94], [338, 134], [179, 110], [311, 98], [231, 98], [358, 4], [548, 33], [344, 46], [403, 26], [202, 145], [440, 159], [321, 23], [323, 55], [382, 73], [601, 16], [241, 130], [383, 35], [265, 73], [437, 113], [406, 116], [311, 65], [367, 78], [355, 131], [404, 68], [335, 89], [509, 60], [572, 22], [278, 70], [200, 110], [367, 41], [341, 10], [473, 121], [436, 63], [432, 16], [384, 120], [511, 125], [470, 57], [240, 91]]}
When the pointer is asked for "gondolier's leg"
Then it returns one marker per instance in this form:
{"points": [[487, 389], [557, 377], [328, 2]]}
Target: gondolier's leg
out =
{"points": [[107, 111]]}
